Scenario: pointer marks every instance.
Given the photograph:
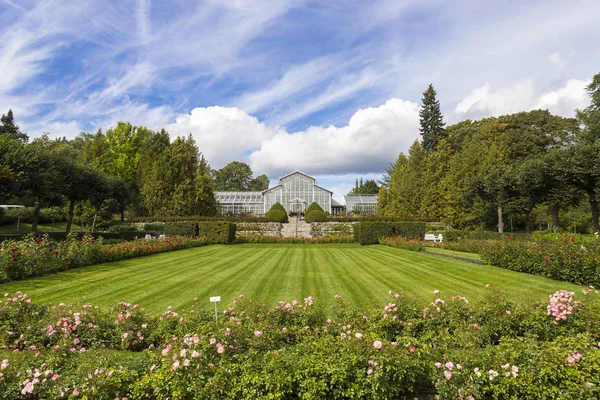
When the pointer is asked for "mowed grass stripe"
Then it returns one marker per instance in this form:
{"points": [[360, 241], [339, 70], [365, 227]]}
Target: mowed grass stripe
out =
{"points": [[361, 274]]}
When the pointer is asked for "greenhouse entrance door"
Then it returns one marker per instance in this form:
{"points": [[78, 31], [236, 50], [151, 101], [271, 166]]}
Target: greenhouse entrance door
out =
{"points": [[297, 205]]}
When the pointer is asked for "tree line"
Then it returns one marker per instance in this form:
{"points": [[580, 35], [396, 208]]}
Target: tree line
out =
{"points": [[529, 166], [126, 169]]}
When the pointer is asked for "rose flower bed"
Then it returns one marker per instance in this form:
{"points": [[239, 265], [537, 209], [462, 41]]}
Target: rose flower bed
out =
{"points": [[41, 255], [298, 349]]}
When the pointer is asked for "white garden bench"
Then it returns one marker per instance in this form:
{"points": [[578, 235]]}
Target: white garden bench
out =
{"points": [[433, 237]]}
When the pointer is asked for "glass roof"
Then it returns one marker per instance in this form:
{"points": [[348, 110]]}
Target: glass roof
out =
{"points": [[360, 198], [239, 197]]}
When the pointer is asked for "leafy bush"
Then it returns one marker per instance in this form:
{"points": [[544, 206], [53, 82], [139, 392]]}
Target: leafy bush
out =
{"points": [[314, 206], [301, 349], [316, 216], [216, 232], [564, 260], [34, 256], [278, 207], [277, 216], [154, 227], [370, 232], [184, 228], [120, 228]]}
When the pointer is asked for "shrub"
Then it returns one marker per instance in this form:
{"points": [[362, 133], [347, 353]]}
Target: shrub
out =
{"points": [[316, 216], [184, 228], [278, 207], [154, 227], [451, 349], [564, 260], [216, 232], [314, 207], [370, 232], [119, 228], [277, 216], [34, 256]]}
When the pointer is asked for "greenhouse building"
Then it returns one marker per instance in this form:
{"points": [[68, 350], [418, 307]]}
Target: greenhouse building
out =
{"points": [[295, 192]]}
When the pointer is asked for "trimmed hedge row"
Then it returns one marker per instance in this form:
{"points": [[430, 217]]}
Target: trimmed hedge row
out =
{"points": [[216, 231], [370, 232], [183, 228], [316, 216], [209, 231]]}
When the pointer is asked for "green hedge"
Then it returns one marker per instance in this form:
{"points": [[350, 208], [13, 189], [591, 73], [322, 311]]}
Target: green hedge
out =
{"points": [[184, 228], [314, 207], [216, 231], [370, 232], [278, 207], [277, 216], [316, 216], [154, 227], [565, 260]]}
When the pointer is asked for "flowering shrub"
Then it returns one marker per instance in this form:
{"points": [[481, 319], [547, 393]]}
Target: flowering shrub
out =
{"points": [[565, 259], [42, 255], [402, 243], [299, 349]]}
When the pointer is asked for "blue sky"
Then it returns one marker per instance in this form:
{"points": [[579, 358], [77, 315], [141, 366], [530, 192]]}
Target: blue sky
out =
{"points": [[328, 87]]}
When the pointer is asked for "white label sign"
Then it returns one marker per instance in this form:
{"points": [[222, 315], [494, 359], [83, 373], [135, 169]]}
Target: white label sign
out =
{"points": [[215, 299]]}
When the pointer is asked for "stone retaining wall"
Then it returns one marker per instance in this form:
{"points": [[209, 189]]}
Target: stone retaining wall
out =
{"points": [[332, 228], [259, 228]]}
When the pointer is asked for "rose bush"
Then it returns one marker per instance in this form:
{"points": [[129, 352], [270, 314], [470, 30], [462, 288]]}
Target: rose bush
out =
{"points": [[299, 349], [39, 255]]}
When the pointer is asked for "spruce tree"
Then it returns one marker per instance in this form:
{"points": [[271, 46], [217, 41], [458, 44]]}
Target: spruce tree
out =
{"points": [[10, 129], [432, 121]]}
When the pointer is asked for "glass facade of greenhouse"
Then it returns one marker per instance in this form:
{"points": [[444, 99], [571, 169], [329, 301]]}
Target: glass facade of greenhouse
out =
{"points": [[295, 192], [361, 203]]}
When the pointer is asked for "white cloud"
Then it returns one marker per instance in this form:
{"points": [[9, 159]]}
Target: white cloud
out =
{"points": [[223, 134], [565, 100], [373, 137], [371, 140], [523, 96], [556, 60]]}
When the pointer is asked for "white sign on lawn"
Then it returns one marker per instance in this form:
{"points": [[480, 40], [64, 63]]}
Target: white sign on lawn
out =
{"points": [[214, 299]]}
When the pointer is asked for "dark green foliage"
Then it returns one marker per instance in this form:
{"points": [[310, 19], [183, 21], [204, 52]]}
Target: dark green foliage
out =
{"points": [[277, 216], [184, 228], [314, 206], [118, 228], [316, 216], [432, 121], [216, 231], [370, 232], [10, 129], [277, 206], [154, 227], [369, 186], [565, 260], [237, 176]]}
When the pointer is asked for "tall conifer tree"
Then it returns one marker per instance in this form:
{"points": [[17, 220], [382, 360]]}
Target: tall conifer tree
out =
{"points": [[432, 121]]}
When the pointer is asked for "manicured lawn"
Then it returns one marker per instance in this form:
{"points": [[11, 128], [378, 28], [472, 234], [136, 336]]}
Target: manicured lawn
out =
{"points": [[26, 228], [471, 256], [362, 275]]}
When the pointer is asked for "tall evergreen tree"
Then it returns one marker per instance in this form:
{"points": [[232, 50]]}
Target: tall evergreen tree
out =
{"points": [[432, 121], [10, 129]]}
